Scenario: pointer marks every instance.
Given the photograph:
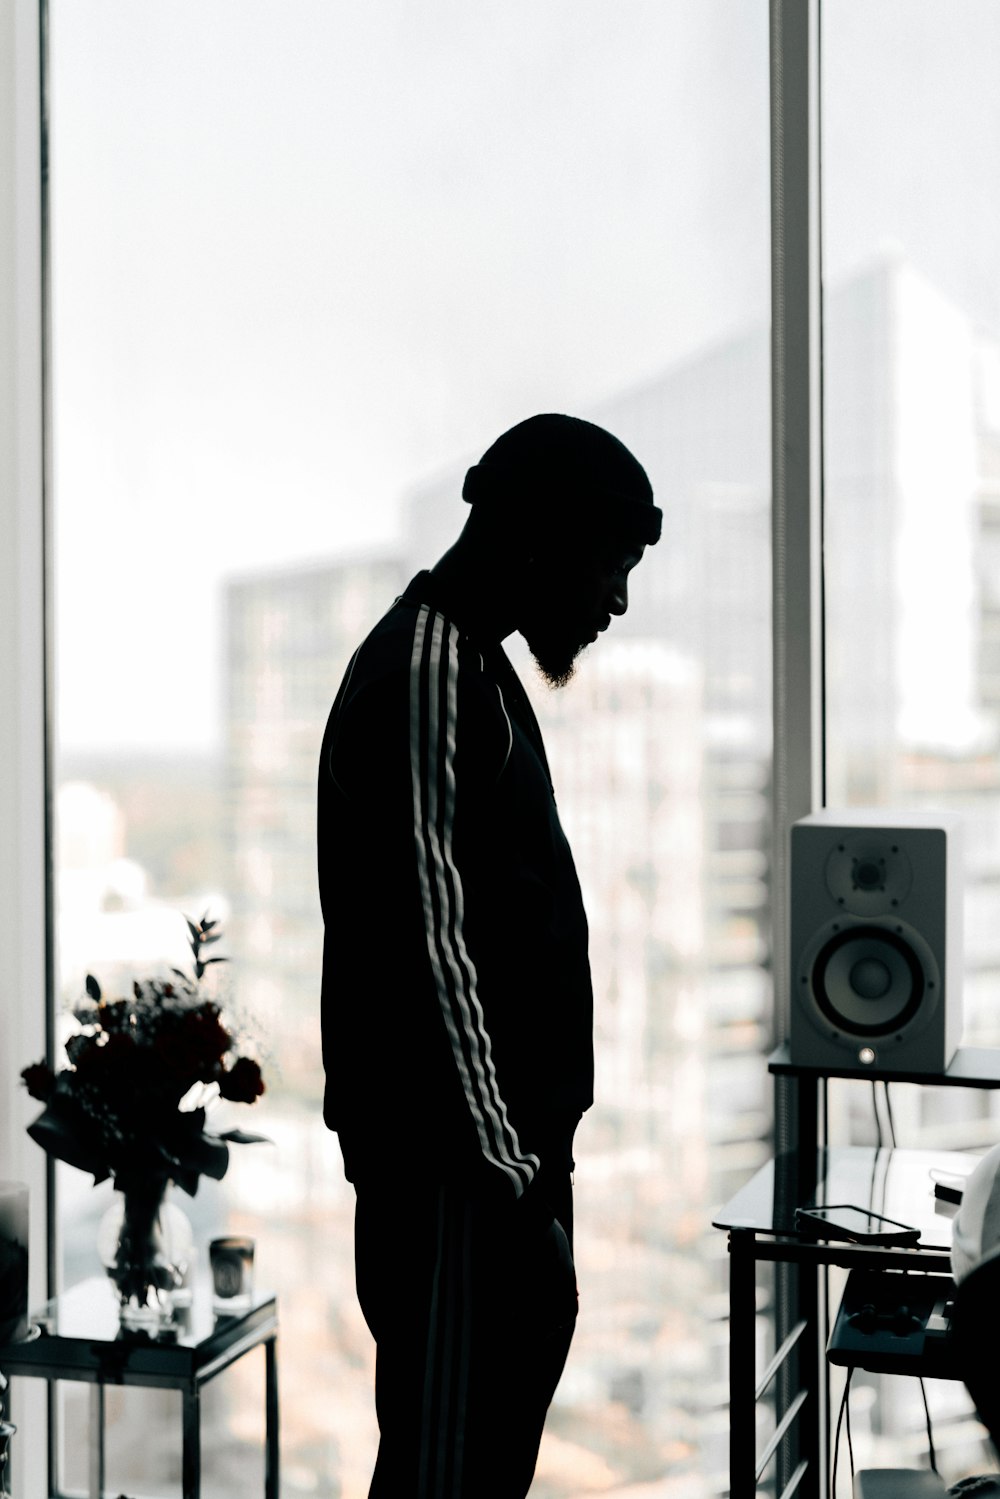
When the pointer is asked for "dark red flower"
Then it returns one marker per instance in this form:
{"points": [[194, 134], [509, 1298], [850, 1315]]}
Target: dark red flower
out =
{"points": [[115, 1016], [110, 1065], [243, 1082], [39, 1079], [82, 1051], [193, 1048], [118, 1051], [207, 1032]]}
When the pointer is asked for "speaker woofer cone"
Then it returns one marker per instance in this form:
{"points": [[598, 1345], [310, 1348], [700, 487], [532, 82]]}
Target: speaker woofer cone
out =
{"points": [[868, 981]]}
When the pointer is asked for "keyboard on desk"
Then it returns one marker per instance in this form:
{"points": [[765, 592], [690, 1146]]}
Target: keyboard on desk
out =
{"points": [[895, 1322]]}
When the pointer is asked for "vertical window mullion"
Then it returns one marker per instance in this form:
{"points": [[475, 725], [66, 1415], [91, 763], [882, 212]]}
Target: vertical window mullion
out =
{"points": [[797, 583], [24, 854], [796, 451]]}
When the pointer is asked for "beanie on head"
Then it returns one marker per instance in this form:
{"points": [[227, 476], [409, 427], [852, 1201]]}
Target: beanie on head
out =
{"points": [[565, 467]]}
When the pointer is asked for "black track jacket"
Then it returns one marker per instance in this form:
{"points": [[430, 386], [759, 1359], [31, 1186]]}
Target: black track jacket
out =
{"points": [[457, 1010]]}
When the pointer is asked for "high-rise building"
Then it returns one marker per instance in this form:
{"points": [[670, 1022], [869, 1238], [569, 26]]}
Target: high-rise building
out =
{"points": [[289, 637], [912, 464]]}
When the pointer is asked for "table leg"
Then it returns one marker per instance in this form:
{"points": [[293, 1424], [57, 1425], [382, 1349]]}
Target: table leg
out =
{"points": [[271, 1487], [742, 1366], [95, 1486], [812, 1370], [191, 1458]]}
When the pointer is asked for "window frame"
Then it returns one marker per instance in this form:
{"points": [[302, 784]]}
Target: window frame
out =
{"points": [[798, 785], [26, 932]]}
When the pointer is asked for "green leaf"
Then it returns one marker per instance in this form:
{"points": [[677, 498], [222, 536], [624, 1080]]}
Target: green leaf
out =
{"points": [[206, 961], [186, 1159], [93, 987], [243, 1137], [64, 1131], [207, 1154], [186, 1180]]}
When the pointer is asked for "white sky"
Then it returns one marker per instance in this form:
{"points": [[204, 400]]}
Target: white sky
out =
{"points": [[306, 253]]}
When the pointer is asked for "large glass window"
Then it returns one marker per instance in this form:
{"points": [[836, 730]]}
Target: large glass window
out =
{"points": [[308, 261], [911, 132]]}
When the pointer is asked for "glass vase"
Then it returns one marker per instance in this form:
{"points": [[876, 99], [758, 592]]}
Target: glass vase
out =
{"points": [[145, 1244], [6, 1432]]}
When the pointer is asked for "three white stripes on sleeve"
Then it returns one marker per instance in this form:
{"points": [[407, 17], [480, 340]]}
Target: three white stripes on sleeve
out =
{"points": [[433, 728]]}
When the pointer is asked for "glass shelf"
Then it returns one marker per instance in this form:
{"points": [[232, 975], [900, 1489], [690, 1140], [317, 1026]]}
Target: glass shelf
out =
{"points": [[80, 1331], [898, 1184]]}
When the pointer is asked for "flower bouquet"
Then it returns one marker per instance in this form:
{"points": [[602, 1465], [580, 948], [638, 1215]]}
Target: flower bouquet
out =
{"points": [[132, 1105]]}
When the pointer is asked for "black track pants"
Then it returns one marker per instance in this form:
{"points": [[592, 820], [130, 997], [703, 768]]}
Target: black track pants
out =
{"points": [[472, 1314]]}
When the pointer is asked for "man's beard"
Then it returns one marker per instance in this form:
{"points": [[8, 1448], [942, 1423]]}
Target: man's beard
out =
{"points": [[555, 658]]}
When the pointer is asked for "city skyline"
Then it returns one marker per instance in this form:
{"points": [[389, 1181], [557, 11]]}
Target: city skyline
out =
{"points": [[420, 536]]}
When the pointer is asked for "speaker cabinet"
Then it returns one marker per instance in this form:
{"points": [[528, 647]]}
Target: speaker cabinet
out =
{"points": [[876, 940]]}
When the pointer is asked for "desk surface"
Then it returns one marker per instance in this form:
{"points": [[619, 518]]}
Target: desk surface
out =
{"points": [[80, 1331], [896, 1183]]}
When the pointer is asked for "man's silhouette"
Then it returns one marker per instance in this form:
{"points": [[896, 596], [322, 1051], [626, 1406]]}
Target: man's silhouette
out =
{"points": [[457, 1006]]}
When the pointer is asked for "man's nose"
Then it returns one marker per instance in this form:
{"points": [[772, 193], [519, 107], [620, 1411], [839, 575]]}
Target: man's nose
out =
{"points": [[618, 597]]}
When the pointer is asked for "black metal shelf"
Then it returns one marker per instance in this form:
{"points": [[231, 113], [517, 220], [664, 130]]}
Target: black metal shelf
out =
{"points": [[971, 1067], [758, 1221]]}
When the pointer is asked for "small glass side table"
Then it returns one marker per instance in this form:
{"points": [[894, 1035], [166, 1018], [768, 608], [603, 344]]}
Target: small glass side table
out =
{"points": [[77, 1336], [760, 1222]]}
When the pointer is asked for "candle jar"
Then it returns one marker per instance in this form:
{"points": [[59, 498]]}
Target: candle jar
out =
{"points": [[231, 1259]]}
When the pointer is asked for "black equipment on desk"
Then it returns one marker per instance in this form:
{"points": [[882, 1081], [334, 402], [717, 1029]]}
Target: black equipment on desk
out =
{"points": [[896, 1322], [854, 1225]]}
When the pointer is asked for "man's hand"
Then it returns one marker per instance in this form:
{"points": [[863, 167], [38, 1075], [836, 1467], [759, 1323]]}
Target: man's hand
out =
{"points": [[534, 1264], [565, 1297]]}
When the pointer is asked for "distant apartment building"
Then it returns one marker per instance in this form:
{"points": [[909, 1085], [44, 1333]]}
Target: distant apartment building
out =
{"points": [[912, 524], [289, 637]]}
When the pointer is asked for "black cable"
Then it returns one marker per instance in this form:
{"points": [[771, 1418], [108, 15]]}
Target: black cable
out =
{"points": [[836, 1440], [878, 1122], [847, 1423], [885, 1158], [888, 1109], [930, 1434]]}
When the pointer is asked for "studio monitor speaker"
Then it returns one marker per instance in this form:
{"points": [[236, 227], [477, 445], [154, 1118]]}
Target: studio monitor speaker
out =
{"points": [[876, 940]]}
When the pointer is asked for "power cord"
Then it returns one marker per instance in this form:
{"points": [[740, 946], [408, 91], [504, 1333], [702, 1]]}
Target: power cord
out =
{"points": [[844, 1406], [930, 1433], [878, 1117], [878, 1121], [888, 1109]]}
